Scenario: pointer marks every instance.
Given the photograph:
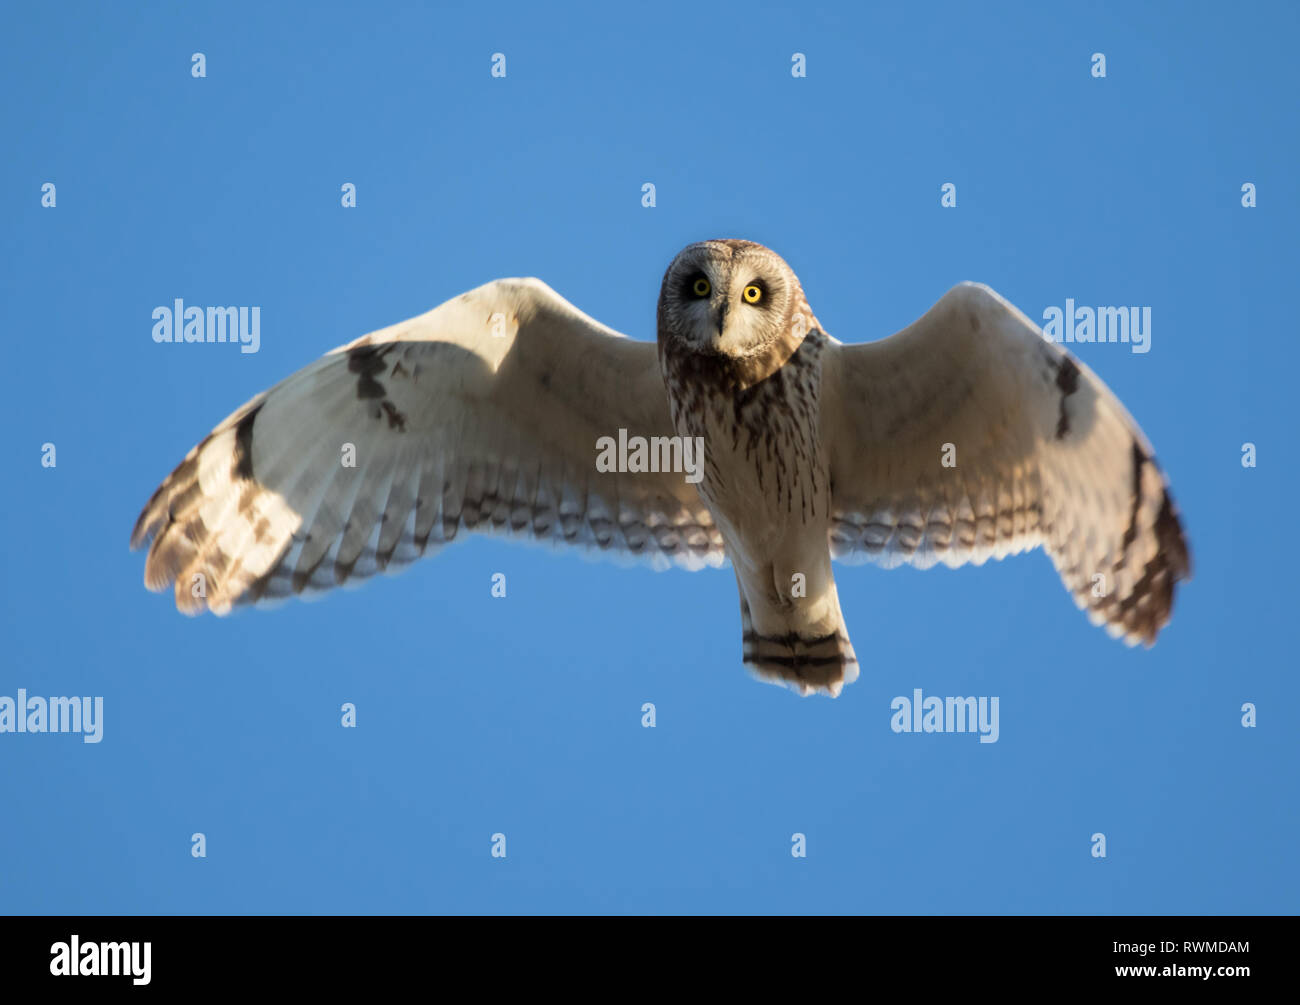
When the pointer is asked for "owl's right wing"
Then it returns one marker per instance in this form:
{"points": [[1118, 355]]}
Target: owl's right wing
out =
{"points": [[970, 435], [482, 414]]}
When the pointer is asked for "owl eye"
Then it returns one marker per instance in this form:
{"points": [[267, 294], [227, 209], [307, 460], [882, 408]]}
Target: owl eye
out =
{"points": [[752, 294], [701, 287]]}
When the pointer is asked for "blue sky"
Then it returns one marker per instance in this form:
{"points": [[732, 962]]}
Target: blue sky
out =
{"points": [[522, 715]]}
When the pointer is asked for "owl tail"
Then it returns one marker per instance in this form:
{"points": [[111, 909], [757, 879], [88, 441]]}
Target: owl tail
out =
{"points": [[809, 658]]}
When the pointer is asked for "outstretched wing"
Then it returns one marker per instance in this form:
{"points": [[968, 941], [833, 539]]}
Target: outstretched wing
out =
{"points": [[1041, 452], [482, 414]]}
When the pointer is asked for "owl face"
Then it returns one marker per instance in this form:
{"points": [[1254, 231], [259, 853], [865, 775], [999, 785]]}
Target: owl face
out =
{"points": [[729, 298]]}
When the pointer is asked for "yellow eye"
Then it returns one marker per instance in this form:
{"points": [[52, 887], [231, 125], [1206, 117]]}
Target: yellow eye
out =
{"points": [[753, 294], [702, 287]]}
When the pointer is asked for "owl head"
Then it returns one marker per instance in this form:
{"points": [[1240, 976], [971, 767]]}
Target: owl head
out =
{"points": [[734, 299]]}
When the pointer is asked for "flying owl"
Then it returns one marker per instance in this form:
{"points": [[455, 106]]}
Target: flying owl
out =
{"points": [[966, 436]]}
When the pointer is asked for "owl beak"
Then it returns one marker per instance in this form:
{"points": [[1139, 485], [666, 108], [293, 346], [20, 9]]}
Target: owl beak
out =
{"points": [[719, 320]]}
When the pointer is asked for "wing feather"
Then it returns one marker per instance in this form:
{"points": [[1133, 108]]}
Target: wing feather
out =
{"points": [[482, 414], [1045, 455]]}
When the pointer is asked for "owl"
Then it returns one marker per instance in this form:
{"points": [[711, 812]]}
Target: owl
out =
{"points": [[745, 433]]}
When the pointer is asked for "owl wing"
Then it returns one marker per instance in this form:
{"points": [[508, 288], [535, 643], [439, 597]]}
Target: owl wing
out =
{"points": [[970, 435], [482, 414]]}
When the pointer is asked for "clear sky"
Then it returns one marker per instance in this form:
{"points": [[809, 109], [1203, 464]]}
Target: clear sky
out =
{"points": [[522, 716]]}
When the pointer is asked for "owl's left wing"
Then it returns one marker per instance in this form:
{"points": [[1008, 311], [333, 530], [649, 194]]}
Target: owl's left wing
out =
{"points": [[970, 435]]}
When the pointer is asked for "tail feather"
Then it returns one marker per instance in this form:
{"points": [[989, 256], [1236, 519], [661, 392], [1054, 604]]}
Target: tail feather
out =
{"points": [[809, 664]]}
